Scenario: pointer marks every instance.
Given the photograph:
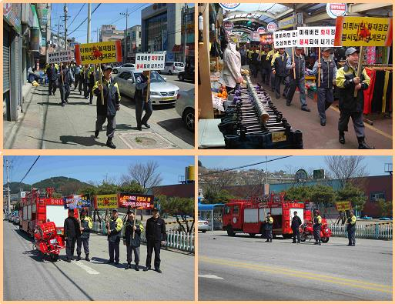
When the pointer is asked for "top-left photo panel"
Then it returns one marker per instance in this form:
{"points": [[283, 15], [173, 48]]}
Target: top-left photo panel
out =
{"points": [[98, 76]]}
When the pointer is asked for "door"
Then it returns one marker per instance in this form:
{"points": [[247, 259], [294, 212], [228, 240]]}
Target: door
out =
{"points": [[6, 72]]}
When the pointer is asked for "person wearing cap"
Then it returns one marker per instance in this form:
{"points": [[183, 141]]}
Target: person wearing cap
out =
{"points": [[296, 222], [72, 232], [156, 236], [114, 229], [351, 221], [52, 74], [317, 220], [269, 227], [297, 79], [279, 69], [328, 79], [142, 102], [66, 78], [255, 64], [266, 64], [347, 82], [131, 234], [110, 106], [86, 226]]}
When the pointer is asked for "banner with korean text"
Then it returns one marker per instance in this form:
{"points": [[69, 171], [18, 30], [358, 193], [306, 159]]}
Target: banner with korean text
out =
{"points": [[108, 201], [138, 201], [61, 56], [97, 53], [316, 36], [150, 61], [285, 39]]}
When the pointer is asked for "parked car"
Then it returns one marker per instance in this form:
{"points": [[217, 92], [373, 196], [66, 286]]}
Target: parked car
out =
{"points": [[123, 68], [366, 217], [161, 91], [203, 225], [173, 68], [185, 107], [188, 74], [16, 220]]}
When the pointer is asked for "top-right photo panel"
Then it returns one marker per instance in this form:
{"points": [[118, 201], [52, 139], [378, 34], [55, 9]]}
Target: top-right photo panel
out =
{"points": [[295, 76]]}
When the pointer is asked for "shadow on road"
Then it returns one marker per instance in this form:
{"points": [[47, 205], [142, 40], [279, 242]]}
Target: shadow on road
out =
{"points": [[80, 140], [176, 127]]}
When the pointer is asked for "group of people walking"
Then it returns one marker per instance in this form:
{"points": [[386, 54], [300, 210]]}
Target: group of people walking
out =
{"points": [[77, 231]]}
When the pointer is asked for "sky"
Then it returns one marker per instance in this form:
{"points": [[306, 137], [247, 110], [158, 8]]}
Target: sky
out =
{"points": [[374, 164], [105, 14], [92, 168]]}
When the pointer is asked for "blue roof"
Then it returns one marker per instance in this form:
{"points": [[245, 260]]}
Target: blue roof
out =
{"points": [[208, 207]]}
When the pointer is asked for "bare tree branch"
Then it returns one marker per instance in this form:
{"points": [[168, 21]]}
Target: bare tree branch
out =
{"points": [[145, 174], [345, 168]]}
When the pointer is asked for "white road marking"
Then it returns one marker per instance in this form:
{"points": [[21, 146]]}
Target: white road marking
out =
{"points": [[86, 268], [210, 276]]}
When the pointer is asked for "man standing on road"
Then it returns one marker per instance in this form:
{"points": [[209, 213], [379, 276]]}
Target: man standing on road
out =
{"points": [[71, 233], [296, 222], [52, 74], [114, 228], [107, 108], [86, 226], [351, 221], [279, 64], [347, 82], [317, 227], [65, 80], [131, 233], [269, 228], [156, 236], [142, 103]]}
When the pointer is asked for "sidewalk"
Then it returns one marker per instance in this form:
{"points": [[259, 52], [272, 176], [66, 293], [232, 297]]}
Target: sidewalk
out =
{"points": [[45, 124]]}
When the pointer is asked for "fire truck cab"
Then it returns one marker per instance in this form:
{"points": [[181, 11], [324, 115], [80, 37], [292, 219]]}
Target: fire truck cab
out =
{"points": [[248, 216]]}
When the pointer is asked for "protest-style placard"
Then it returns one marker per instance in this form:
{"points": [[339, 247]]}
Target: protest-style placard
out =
{"points": [[150, 61], [136, 201], [343, 206], [108, 201], [316, 36], [285, 39], [61, 56], [266, 38], [76, 202], [363, 31], [97, 53]]}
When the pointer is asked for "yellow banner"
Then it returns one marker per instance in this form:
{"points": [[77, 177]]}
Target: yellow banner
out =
{"points": [[97, 53], [109, 201], [343, 206], [363, 31]]}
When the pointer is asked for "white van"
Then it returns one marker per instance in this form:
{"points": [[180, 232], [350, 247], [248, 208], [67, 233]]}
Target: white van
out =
{"points": [[173, 68]]}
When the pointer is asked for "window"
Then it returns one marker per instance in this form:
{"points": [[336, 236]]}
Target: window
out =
{"points": [[375, 196], [227, 210], [125, 75], [236, 210], [140, 34]]}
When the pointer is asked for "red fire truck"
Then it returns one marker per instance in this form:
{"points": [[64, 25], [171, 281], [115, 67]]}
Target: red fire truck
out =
{"points": [[38, 208], [248, 216]]}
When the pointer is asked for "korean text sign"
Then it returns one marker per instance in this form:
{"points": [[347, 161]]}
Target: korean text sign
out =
{"points": [[363, 31], [108, 201], [76, 201], [97, 53], [150, 62], [343, 206], [285, 39], [61, 56], [316, 36], [138, 201], [266, 39]]}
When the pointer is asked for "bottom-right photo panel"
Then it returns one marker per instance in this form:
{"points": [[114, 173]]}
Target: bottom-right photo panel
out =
{"points": [[295, 228]]}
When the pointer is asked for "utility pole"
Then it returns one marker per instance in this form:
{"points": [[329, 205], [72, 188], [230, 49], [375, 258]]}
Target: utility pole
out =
{"points": [[98, 34], [65, 9], [185, 9], [88, 39], [126, 34], [46, 33], [8, 187]]}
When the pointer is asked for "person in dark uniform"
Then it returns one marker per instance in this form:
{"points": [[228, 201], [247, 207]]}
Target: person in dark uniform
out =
{"points": [[255, 64], [71, 233], [351, 221], [114, 227], [142, 104], [52, 74], [86, 226], [66, 78], [347, 82], [296, 222], [298, 81], [279, 64], [109, 107], [266, 64], [328, 79], [131, 235], [269, 228], [317, 227], [156, 236]]}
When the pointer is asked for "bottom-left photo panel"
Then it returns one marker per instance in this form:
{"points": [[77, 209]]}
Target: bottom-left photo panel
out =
{"points": [[87, 228]]}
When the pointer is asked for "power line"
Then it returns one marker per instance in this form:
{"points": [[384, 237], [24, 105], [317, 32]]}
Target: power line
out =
{"points": [[85, 20], [77, 14], [250, 165], [131, 12], [31, 167]]}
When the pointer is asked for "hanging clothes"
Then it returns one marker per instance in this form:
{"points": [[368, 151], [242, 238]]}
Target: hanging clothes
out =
{"points": [[377, 99], [386, 79], [388, 108], [368, 94]]}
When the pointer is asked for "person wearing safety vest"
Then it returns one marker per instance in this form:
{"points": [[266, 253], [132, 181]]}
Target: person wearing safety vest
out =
{"points": [[131, 235], [279, 69], [86, 226], [266, 64], [317, 227], [114, 227], [269, 228], [351, 221], [347, 81]]}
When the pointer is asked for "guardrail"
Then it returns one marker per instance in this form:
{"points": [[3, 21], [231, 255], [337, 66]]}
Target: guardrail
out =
{"points": [[380, 231], [175, 239]]}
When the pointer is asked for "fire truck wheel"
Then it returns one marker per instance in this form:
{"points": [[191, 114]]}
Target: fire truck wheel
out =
{"points": [[303, 237], [252, 235], [229, 230], [54, 257], [325, 239]]}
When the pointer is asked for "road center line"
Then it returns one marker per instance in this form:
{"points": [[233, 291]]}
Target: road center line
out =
{"points": [[210, 276], [86, 268]]}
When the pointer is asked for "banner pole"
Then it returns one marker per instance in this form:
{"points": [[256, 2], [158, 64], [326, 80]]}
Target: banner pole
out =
{"points": [[148, 87], [101, 83], [359, 67], [319, 69], [134, 221], [293, 61]]}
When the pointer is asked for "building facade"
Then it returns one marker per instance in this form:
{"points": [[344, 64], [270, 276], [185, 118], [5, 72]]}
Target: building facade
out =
{"points": [[133, 43], [110, 33]]}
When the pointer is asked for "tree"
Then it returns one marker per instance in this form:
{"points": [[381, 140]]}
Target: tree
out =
{"points": [[146, 175], [299, 193], [353, 194], [181, 208], [131, 187], [345, 168], [323, 195], [107, 188], [385, 208], [211, 196]]}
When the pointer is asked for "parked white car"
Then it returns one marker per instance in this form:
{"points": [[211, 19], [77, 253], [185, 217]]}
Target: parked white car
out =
{"points": [[122, 68], [185, 107], [203, 225], [173, 68]]}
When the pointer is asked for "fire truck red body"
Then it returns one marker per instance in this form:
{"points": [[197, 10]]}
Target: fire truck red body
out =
{"points": [[248, 216], [40, 208]]}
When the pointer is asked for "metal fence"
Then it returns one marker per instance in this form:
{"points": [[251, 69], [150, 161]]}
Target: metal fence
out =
{"points": [[380, 231], [175, 239]]}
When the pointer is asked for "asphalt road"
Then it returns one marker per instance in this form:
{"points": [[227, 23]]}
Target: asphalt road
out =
{"points": [[28, 278], [242, 268]]}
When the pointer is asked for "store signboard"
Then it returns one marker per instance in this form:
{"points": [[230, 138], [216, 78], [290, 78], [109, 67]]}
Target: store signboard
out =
{"points": [[284, 39], [150, 61], [228, 26], [229, 6], [316, 36], [12, 14], [291, 21], [99, 52], [261, 30], [335, 10], [271, 27], [61, 56], [255, 36], [363, 31]]}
